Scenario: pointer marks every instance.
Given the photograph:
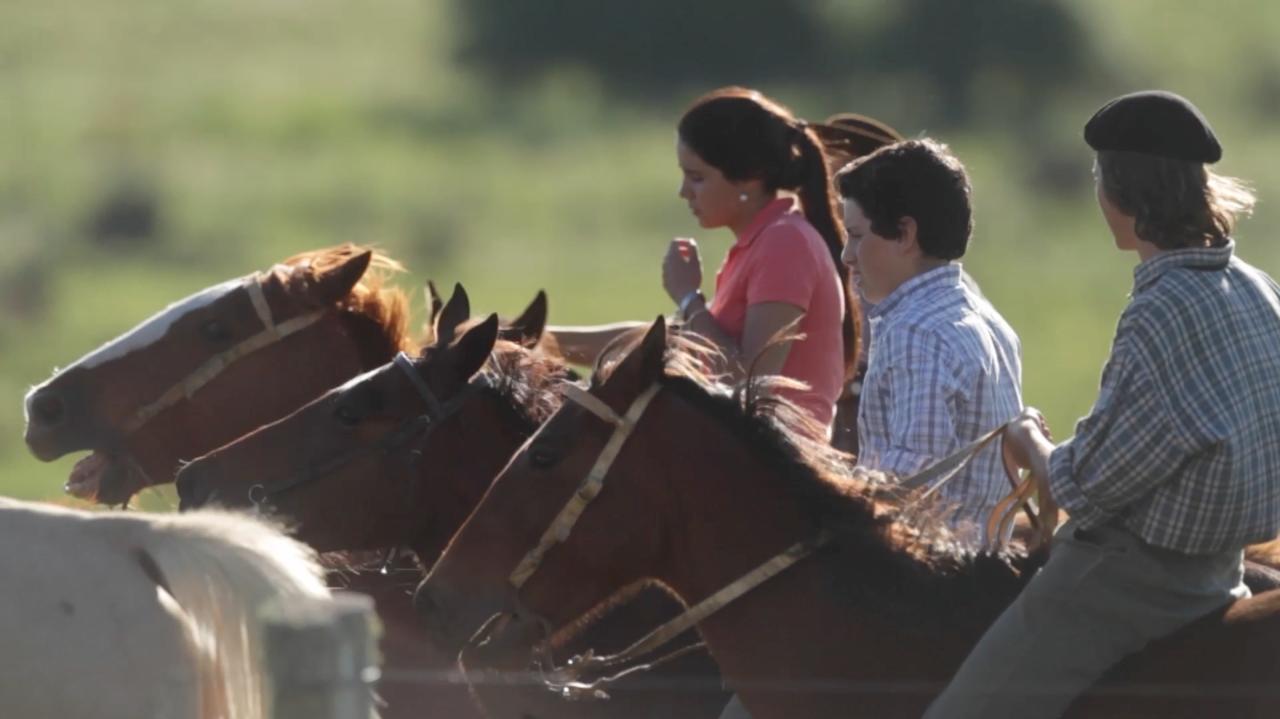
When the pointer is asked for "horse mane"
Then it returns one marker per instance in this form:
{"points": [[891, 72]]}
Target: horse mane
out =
{"points": [[384, 306], [527, 380], [220, 567], [889, 552]]}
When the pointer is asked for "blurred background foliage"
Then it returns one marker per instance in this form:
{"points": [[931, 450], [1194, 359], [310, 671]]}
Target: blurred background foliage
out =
{"points": [[149, 148]]}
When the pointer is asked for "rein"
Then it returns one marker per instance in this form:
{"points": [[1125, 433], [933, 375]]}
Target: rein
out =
{"points": [[568, 679], [212, 367], [413, 430]]}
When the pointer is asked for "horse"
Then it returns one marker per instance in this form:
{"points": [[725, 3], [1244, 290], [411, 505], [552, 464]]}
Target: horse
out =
{"points": [[208, 368], [879, 604], [399, 456], [220, 363], [127, 615]]}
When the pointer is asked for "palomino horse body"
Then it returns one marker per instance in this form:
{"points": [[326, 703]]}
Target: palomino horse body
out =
{"points": [[400, 456], [873, 623], [128, 616]]}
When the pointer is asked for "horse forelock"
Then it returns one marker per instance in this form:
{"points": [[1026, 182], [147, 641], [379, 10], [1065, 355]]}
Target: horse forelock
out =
{"points": [[687, 355], [529, 380], [384, 305]]}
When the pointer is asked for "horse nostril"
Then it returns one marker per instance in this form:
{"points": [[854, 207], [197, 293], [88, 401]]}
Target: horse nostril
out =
{"points": [[47, 409]]}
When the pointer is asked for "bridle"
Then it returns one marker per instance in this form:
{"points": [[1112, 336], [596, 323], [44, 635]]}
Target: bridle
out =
{"points": [[410, 432], [212, 367], [568, 679]]}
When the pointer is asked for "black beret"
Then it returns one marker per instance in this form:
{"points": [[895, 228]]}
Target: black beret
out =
{"points": [[1153, 122]]}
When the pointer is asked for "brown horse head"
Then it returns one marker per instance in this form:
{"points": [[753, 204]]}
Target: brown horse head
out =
{"points": [[213, 366], [397, 456], [625, 523]]}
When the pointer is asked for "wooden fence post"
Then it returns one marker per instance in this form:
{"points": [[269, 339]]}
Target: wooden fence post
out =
{"points": [[322, 657]]}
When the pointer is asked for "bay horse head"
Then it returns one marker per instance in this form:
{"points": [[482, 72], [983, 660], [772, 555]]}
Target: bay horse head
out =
{"points": [[612, 544], [397, 456], [208, 368]]}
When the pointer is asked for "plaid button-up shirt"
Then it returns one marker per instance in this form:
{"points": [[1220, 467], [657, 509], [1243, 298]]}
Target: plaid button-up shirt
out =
{"points": [[943, 368], [1183, 442]]}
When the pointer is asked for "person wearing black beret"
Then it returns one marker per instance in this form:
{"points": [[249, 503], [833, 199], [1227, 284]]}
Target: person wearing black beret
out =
{"points": [[1176, 468]]}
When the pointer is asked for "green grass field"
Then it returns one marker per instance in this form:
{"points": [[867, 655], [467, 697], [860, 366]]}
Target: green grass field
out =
{"points": [[267, 128]]}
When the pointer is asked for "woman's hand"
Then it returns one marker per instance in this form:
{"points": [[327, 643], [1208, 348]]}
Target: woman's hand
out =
{"points": [[681, 268]]}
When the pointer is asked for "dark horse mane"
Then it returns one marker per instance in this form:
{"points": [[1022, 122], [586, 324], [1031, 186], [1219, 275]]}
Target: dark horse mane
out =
{"points": [[527, 380], [888, 553], [384, 308]]}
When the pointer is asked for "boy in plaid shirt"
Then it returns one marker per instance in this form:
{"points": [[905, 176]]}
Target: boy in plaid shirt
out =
{"points": [[1177, 466], [943, 366]]}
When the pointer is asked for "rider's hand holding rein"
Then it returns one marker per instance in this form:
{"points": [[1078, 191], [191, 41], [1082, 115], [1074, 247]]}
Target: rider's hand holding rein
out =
{"points": [[1029, 442]]}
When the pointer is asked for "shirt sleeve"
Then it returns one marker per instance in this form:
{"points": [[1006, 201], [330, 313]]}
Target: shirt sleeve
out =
{"points": [[923, 394], [1124, 448], [784, 269]]}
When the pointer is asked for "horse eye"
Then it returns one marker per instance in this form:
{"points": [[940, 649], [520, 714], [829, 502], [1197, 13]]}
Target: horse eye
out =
{"points": [[346, 416], [215, 331], [541, 457]]}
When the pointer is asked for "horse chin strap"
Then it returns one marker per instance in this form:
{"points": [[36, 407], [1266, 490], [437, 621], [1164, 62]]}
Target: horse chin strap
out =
{"points": [[212, 367]]}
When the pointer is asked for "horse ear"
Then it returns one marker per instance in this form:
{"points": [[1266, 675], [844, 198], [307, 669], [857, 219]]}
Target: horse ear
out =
{"points": [[455, 312], [526, 330], [334, 283], [434, 303], [473, 348], [646, 360], [653, 350]]}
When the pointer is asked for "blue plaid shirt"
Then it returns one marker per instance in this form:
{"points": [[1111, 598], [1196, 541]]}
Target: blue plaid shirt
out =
{"points": [[1183, 442], [943, 368]]}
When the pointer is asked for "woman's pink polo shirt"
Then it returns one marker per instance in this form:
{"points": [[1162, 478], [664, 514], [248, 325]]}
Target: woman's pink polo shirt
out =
{"points": [[782, 258]]}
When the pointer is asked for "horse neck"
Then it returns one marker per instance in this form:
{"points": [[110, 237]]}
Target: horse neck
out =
{"points": [[474, 446], [735, 512]]}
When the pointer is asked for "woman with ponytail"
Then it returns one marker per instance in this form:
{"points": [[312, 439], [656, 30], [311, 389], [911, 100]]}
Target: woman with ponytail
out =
{"points": [[751, 166]]}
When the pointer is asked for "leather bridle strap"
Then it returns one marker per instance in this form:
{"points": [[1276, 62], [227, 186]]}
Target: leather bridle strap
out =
{"points": [[560, 527], [214, 366], [434, 408], [567, 678]]}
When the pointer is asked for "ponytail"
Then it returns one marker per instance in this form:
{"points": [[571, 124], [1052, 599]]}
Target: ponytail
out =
{"points": [[818, 199]]}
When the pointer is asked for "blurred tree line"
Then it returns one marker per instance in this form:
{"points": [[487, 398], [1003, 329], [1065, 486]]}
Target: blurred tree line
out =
{"points": [[661, 49]]}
